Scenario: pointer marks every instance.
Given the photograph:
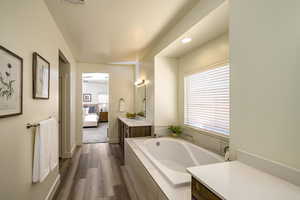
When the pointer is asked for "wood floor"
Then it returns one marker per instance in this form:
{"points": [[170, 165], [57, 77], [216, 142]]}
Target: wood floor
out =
{"points": [[94, 174]]}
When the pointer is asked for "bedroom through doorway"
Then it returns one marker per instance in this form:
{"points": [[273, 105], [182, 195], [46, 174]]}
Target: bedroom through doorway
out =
{"points": [[95, 107]]}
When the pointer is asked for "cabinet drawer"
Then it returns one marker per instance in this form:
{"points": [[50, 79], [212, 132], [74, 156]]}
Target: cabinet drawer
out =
{"points": [[200, 192]]}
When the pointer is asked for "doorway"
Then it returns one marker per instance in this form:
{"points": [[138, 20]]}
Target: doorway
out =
{"points": [[95, 107]]}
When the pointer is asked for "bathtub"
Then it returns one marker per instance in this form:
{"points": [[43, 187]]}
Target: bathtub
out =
{"points": [[172, 156]]}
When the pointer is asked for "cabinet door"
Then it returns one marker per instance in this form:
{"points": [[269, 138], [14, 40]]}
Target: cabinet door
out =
{"points": [[141, 131], [200, 192]]}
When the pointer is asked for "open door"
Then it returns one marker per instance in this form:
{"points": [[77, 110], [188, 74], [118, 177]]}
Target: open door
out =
{"points": [[64, 107]]}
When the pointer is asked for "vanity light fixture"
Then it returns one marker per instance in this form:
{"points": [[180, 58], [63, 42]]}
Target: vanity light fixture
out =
{"points": [[186, 40]]}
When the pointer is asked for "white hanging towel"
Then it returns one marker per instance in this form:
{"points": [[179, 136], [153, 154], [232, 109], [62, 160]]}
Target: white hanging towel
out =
{"points": [[41, 167], [53, 143]]}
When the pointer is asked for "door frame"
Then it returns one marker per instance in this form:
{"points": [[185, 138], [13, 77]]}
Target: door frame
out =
{"points": [[65, 149], [109, 129]]}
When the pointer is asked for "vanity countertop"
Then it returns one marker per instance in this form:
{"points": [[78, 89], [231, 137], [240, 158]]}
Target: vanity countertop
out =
{"points": [[135, 122], [237, 181]]}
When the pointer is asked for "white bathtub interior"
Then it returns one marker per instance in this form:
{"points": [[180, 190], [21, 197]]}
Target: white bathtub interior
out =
{"points": [[172, 156]]}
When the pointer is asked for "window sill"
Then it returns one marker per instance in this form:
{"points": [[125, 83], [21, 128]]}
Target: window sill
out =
{"points": [[208, 133]]}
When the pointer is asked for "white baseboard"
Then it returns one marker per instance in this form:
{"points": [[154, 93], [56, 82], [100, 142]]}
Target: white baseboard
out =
{"points": [[53, 188], [280, 170]]}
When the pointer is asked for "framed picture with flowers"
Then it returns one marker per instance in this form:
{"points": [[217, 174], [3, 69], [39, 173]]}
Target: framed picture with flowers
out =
{"points": [[41, 77], [11, 83]]}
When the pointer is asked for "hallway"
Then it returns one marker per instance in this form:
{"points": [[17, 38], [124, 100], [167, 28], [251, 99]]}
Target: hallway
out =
{"points": [[94, 174]]}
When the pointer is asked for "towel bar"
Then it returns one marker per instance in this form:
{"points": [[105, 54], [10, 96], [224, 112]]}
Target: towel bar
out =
{"points": [[34, 125], [28, 126]]}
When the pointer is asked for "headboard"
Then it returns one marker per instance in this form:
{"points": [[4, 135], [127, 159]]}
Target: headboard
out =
{"points": [[93, 108]]}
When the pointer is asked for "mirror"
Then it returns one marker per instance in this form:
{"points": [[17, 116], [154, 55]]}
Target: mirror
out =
{"points": [[140, 104]]}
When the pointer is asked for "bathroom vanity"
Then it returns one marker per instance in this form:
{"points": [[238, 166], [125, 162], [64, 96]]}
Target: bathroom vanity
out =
{"points": [[129, 128]]}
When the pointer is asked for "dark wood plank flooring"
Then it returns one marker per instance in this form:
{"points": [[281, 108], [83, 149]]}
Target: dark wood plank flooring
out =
{"points": [[94, 174]]}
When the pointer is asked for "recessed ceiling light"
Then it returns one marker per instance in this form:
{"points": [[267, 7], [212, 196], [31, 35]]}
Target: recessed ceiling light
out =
{"points": [[186, 40]]}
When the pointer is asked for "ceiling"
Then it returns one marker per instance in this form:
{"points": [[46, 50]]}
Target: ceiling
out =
{"points": [[211, 26], [105, 31]]}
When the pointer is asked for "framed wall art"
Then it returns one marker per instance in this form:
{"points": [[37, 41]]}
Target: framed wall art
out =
{"points": [[11, 83], [87, 97], [41, 77]]}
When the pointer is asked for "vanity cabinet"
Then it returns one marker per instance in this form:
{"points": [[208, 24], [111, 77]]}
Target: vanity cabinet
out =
{"points": [[129, 130], [201, 192]]}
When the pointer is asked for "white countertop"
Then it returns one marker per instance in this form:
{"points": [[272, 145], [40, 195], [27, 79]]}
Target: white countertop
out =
{"points": [[135, 122], [237, 181]]}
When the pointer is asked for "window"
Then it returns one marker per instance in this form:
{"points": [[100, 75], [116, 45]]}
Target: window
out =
{"points": [[103, 98], [206, 100]]}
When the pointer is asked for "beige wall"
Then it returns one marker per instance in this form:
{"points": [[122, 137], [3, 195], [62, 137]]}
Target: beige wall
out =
{"points": [[121, 85], [165, 110], [265, 77], [27, 26]]}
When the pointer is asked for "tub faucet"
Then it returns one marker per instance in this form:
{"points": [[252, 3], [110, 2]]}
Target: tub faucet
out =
{"points": [[226, 148], [226, 152]]}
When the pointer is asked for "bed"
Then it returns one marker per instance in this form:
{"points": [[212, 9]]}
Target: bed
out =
{"points": [[90, 116], [91, 120]]}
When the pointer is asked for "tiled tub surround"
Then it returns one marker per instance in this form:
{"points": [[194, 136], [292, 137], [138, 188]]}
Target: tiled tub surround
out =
{"points": [[280, 170], [148, 180], [212, 142]]}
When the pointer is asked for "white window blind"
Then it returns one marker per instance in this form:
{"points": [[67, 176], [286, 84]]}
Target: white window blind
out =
{"points": [[206, 101]]}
